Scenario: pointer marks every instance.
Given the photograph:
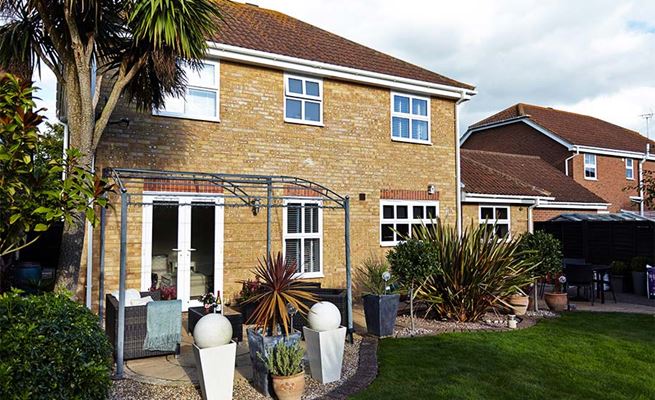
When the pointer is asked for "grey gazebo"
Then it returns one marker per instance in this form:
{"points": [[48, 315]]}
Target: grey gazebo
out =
{"points": [[236, 190]]}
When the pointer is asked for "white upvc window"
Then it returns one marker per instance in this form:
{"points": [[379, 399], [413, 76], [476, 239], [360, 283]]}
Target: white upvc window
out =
{"points": [[629, 169], [399, 218], [201, 98], [410, 118], [303, 236], [590, 166], [498, 217], [303, 100]]}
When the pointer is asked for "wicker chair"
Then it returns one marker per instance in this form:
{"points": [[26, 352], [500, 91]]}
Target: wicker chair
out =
{"points": [[135, 328]]}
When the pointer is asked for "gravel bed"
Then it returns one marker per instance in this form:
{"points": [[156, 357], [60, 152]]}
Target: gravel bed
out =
{"points": [[490, 322], [541, 314], [131, 390]]}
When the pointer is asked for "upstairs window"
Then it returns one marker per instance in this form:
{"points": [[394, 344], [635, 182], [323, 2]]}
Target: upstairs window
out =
{"points": [[200, 100], [399, 218], [410, 118], [629, 169], [590, 166], [303, 100], [303, 232], [495, 218]]}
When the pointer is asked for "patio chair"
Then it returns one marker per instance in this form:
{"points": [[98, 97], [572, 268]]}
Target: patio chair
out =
{"points": [[135, 328], [580, 276]]}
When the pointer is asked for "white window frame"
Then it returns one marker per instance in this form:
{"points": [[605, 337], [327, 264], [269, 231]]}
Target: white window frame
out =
{"points": [[495, 221], [410, 216], [215, 88], [630, 167], [303, 98], [410, 116], [302, 236], [592, 166]]}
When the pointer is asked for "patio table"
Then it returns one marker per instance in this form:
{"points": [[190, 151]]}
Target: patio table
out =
{"points": [[599, 271], [235, 318]]}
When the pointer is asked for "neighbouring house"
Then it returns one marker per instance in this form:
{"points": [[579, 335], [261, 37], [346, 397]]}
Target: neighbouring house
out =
{"points": [[277, 96], [513, 191], [604, 158]]}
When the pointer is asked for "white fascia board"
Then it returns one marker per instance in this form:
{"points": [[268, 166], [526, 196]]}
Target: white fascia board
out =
{"points": [[303, 66], [508, 121], [573, 205], [503, 199], [611, 152]]}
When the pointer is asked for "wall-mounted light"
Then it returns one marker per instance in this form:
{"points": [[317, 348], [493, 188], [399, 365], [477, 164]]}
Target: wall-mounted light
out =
{"points": [[432, 189], [256, 205]]}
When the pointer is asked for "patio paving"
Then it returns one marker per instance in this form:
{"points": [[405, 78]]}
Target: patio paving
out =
{"points": [[181, 370]]}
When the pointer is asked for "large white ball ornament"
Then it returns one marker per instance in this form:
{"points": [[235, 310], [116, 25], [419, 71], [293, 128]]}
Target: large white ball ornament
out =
{"points": [[212, 330], [324, 316]]}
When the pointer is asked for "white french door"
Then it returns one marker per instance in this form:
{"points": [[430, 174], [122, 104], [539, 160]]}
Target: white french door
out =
{"points": [[182, 245]]}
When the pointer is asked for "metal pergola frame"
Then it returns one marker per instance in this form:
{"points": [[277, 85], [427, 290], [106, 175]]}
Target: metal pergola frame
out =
{"points": [[236, 190]]}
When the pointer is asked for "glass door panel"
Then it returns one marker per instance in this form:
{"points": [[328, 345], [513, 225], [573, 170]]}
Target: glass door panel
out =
{"points": [[203, 215], [165, 218]]}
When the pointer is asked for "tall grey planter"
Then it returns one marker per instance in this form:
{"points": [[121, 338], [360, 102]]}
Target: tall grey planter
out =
{"points": [[258, 343], [380, 312], [639, 283]]}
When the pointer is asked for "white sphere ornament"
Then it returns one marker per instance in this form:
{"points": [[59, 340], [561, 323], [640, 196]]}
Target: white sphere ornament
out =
{"points": [[324, 316], [212, 330]]}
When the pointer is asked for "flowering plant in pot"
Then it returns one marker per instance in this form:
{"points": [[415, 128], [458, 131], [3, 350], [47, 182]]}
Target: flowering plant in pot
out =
{"points": [[281, 292], [558, 299], [380, 300], [284, 362], [249, 288]]}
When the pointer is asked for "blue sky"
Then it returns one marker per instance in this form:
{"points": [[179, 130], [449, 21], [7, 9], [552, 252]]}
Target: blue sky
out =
{"points": [[595, 58]]}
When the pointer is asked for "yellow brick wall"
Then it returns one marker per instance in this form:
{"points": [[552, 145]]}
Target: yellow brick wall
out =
{"points": [[518, 215], [351, 154]]}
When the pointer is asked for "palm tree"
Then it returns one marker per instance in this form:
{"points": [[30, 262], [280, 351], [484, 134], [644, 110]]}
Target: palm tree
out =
{"points": [[130, 48]]}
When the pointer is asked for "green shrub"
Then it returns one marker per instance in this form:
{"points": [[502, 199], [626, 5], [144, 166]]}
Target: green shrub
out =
{"points": [[638, 264], [476, 272], [52, 348], [618, 267], [412, 261], [283, 359], [369, 278], [544, 251]]}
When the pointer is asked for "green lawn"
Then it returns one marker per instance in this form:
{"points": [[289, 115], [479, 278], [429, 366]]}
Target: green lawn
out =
{"points": [[578, 356]]}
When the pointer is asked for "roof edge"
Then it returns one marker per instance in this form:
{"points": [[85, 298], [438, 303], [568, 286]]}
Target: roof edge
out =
{"points": [[293, 64]]}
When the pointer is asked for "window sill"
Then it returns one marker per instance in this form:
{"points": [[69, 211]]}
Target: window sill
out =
{"points": [[413, 141], [303, 122], [189, 117], [388, 244], [590, 179], [309, 275]]}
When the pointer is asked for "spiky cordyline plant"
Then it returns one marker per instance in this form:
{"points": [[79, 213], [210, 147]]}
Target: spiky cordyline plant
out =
{"points": [[476, 271], [279, 287]]}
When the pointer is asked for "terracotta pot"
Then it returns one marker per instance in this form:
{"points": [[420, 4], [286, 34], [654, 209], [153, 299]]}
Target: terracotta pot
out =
{"points": [[556, 301], [289, 387], [519, 303]]}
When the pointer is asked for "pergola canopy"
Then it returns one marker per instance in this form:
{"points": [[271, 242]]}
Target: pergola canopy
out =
{"points": [[236, 190]]}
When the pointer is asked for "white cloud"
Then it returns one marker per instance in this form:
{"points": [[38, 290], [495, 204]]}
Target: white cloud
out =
{"points": [[593, 57]]}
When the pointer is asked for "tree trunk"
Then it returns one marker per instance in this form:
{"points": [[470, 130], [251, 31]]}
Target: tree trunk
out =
{"points": [[535, 296], [411, 306], [70, 254]]}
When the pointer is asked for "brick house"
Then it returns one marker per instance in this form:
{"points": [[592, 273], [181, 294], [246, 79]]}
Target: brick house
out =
{"points": [[603, 157], [281, 97], [512, 191]]}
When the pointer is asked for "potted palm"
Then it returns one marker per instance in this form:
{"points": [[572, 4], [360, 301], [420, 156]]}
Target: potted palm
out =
{"points": [[380, 303], [284, 362], [280, 290]]}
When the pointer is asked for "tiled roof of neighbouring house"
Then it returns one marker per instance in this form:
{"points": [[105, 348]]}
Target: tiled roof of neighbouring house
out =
{"points": [[576, 129], [256, 28], [487, 172]]}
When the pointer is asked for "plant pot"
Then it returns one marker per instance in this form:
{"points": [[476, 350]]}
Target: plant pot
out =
{"points": [[519, 303], [215, 367], [556, 301], [617, 283], [258, 343], [325, 353], [380, 312], [289, 387], [639, 283]]}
